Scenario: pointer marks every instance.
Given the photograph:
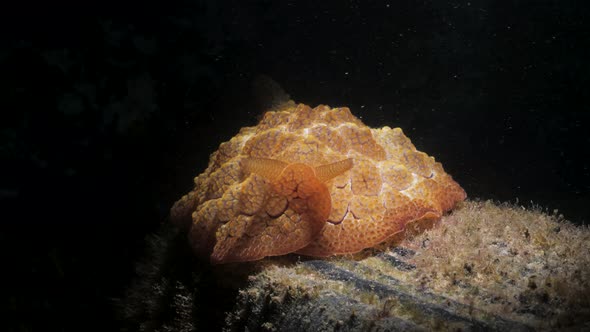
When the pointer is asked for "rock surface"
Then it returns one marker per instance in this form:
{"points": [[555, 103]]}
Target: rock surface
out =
{"points": [[485, 267]]}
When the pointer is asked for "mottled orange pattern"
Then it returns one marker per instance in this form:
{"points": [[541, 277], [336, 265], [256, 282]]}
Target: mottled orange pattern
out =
{"points": [[312, 181]]}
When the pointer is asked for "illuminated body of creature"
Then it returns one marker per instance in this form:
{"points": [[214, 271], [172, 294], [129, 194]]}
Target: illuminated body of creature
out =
{"points": [[316, 182]]}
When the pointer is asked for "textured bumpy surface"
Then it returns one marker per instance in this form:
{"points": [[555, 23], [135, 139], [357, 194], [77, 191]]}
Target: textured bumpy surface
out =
{"points": [[313, 181], [484, 268]]}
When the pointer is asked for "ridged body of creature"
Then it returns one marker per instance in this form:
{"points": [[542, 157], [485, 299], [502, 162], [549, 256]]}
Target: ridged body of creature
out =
{"points": [[316, 182]]}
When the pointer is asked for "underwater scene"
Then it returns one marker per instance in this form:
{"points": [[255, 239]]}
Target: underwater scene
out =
{"points": [[201, 165]]}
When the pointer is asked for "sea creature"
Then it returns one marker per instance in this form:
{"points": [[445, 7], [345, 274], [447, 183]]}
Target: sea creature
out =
{"points": [[314, 181]]}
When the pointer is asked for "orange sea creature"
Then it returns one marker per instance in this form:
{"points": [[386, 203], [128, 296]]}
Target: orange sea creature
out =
{"points": [[316, 182]]}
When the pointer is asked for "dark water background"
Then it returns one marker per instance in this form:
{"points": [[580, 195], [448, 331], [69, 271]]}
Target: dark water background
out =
{"points": [[108, 110]]}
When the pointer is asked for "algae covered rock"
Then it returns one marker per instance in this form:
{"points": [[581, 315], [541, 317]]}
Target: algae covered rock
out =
{"points": [[484, 267]]}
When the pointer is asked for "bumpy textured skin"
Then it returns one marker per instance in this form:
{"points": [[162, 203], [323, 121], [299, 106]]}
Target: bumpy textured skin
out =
{"points": [[241, 212]]}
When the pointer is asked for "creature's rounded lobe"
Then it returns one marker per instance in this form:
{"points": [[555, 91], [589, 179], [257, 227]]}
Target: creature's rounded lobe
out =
{"points": [[297, 199], [303, 186]]}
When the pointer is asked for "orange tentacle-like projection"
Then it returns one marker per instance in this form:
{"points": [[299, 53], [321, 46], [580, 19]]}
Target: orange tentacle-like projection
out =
{"points": [[263, 193]]}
